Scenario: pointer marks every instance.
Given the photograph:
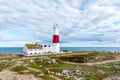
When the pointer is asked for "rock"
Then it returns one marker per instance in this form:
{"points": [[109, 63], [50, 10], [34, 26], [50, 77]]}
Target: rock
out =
{"points": [[5, 61], [40, 65], [15, 78], [65, 72], [47, 71], [26, 71], [116, 67], [52, 72], [101, 71], [41, 60], [76, 78], [113, 56], [49, 62], [78, 72], [68, 73], [96, 58], [53, 61], [112, 78], [32, 61], [40, 74], [81, 79], [25, 64], [59, 74]]}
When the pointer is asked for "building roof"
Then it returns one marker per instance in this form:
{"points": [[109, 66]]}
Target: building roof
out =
{"points": [[33, 46]]}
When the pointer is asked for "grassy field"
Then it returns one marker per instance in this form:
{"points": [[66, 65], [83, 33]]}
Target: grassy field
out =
{"points": [[44, 68], [86, 58]]}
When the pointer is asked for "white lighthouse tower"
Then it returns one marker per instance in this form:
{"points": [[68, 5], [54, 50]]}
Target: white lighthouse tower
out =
{"points": [[56, 42]]}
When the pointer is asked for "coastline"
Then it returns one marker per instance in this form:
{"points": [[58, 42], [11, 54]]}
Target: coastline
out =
{"points": [[11, 50]]}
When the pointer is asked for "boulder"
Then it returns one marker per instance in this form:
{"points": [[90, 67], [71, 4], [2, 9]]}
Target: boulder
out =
{"points": [[53, 61]]}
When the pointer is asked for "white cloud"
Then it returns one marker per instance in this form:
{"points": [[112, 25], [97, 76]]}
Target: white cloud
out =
{"points": [[83, 22]]}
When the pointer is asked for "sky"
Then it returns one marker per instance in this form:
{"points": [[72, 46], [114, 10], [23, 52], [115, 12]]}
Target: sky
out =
{"points": [[82, 23]]}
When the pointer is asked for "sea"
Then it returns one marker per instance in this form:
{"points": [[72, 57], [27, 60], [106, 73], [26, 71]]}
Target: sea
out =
{"points": [[12, 50]]}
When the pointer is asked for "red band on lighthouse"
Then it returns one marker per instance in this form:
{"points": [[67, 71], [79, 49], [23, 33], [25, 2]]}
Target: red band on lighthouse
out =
{"points": [[55, 38]]}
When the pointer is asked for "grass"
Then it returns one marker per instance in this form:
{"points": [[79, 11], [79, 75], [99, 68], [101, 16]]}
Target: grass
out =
{"points": [[34, 72], [85, 58], [64, 78], [19, 69], [47, 77], [2, 55], [95, 74], [58, 67], [8, 57], [90, 72], [4, 65]]}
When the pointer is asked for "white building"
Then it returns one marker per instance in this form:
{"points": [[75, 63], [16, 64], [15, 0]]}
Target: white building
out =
{"points": [[37, 49]]}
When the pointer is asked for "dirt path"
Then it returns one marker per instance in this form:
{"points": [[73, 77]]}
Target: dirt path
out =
{"points": [[100, 63], [56, 78], [26, 58], [95, 63]]}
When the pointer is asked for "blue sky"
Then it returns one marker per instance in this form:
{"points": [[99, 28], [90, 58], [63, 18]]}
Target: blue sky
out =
{"points": [[83, 23]]}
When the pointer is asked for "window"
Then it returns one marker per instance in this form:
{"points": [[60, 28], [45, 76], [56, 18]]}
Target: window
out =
{"points": [[45, 45], [35, 53], [41, 46], [30, 53], [48, 45]]}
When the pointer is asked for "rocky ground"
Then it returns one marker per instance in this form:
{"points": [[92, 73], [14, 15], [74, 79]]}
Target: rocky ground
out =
{"points": [[50, 67], [9, 75]]}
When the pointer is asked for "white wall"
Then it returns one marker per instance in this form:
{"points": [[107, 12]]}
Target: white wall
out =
{"points": [[35, 52], [45, 50]]}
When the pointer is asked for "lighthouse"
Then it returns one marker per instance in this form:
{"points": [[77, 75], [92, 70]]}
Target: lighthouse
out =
{"points": [[56, 42]]}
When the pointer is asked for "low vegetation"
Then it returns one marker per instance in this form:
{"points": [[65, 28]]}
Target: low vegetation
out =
{"points": [[54, 65], [19, 69], [4, 65], [85, 58]]}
